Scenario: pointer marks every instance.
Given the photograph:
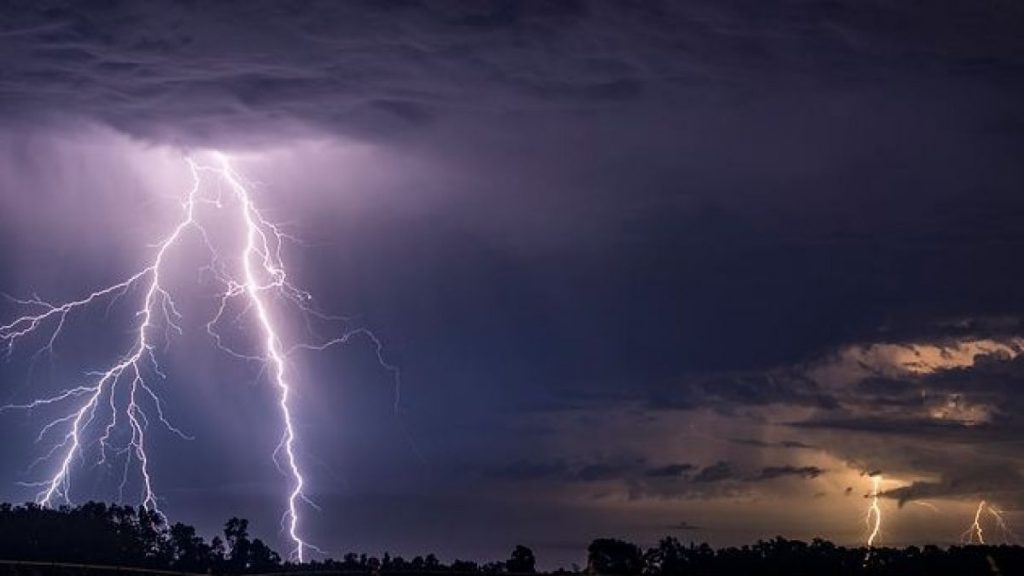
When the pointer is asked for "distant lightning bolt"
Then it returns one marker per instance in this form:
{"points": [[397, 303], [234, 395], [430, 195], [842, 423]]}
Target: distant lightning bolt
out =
{"points": [[262, 273], [974, 534], [873, 518]]}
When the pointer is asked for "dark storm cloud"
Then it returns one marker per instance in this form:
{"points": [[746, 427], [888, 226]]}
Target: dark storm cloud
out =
{"points": [[773, 472], [855, 404], [916, 427], [959, 426], [582, 216], [669, 471], [716, 472], [978, 403], [194, 71], [794, 444], [666, 481], [1001, 482]]}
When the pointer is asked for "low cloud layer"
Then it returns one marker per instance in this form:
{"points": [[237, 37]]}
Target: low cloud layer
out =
{"points": [[260, 69]]}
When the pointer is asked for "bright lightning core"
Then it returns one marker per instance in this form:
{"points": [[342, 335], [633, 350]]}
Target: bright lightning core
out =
{"points": [[974, 534], [123, 394], [873, 518]]}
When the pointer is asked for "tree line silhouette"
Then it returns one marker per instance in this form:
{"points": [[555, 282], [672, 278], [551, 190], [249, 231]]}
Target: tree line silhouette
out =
{"points": [[98, 535]]}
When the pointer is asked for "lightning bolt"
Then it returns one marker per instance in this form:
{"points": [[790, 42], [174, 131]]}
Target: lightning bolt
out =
{"points": [[122, 394], [263, 271], [974, 534], [873, 517]]}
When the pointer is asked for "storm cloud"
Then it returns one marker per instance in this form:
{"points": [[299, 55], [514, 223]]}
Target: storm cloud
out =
{"points": [[196, 73], [637, 261]]}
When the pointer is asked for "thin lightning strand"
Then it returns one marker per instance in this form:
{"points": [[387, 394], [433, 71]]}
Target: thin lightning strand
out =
{"points": [[1008, 535], [262, 273]]}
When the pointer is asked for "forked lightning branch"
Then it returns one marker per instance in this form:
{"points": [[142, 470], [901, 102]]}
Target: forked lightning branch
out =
{"points": [[123, 397]]}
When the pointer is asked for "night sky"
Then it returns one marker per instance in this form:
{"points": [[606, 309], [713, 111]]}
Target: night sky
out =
{"points": [[647, 268]]}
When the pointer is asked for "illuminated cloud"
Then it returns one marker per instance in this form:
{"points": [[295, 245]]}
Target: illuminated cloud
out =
{"points": [[860, 362]]}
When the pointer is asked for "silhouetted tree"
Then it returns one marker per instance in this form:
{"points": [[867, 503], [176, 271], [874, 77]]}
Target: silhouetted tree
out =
{"points": [[668, 559], [493, 568], [262, 558], [522, 561], [236, 534], [191, 552], [611, 556], [465, 566]]}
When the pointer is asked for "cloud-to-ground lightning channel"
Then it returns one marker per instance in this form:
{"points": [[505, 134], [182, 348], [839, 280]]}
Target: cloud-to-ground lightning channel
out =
{"points": [[258, 253], [254, 273], [974, 533], [873, 518]]}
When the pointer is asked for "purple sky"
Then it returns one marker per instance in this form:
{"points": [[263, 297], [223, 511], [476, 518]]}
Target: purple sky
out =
{"points": [[686, 268]]}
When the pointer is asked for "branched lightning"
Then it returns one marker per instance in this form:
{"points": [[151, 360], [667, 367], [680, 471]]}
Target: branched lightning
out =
{"points": [[131, 367], [975, 534], [122, 395]]}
